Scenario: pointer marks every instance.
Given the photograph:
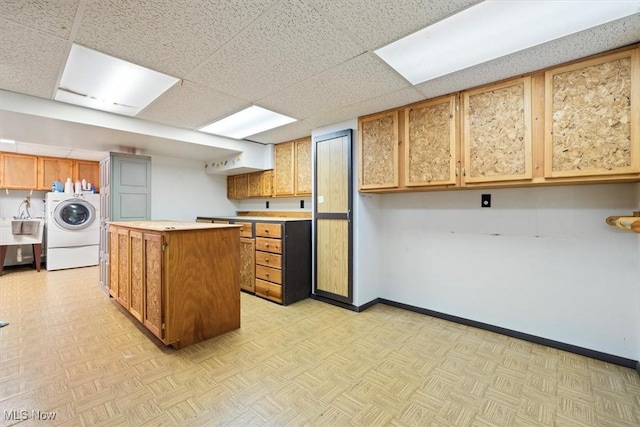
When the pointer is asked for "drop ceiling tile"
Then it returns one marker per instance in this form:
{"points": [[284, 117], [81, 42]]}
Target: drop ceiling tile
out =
{"points": [[54, 17], [189, 105], [284, 133], [375, 24], [171, 36], [290, 43], [29, 60], [354, 81], [304, 127], [602, 38]]}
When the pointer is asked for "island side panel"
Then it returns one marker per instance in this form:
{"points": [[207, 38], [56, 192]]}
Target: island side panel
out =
{"points": [[203, 284]]}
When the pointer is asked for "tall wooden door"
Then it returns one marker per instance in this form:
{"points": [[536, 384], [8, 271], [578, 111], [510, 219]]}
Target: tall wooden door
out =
{"points": [[332, 217]]}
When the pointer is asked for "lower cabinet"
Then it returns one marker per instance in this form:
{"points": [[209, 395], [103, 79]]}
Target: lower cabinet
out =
{"points": [[275, 256], [182, 285]]}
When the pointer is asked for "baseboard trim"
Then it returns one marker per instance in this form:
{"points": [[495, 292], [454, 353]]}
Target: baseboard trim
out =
{"points": [[350, 307], [605, 357]]}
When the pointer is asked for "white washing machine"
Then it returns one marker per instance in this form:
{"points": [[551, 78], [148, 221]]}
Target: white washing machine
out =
{"points": [[73, 230]]}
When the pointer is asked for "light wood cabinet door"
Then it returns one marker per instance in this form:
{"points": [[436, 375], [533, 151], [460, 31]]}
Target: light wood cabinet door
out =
{"points": [[153, 282], [592, 117], [113, 262], [267, 183], [248, 264], [430, 149], [303, 166], [53, 169], [255, 184], [123, 271], [231, 187], [90, 171], [284, 169], [136, 302], [19, 171], [378, 151], [242, 186], [497, 132]]}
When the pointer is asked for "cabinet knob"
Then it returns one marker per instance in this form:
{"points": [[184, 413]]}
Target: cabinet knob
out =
{"points": [[266, 274], [266, 245], [266, 260], [267, 291]]}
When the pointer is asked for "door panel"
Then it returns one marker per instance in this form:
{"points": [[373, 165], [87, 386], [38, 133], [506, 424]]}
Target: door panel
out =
{"points": [[332, 273], [332, 220]]}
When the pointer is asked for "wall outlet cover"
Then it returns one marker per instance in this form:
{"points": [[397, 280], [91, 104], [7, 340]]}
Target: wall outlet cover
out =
{"points": [[486, 201]]}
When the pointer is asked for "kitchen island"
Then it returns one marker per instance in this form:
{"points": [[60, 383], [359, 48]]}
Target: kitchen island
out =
{"points": [[179, 279]]}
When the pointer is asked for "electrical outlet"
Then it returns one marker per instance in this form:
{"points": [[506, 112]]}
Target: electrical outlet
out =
{"points": [[486, 201], [267, 204], [301, 204]]}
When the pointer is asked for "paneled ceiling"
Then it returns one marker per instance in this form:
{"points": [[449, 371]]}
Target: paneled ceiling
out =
{"points": [[310, 59]]}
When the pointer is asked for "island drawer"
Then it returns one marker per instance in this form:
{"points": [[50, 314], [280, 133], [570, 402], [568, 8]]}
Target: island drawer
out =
{"points": [[269, 245], [268, 230], [269, 290]]}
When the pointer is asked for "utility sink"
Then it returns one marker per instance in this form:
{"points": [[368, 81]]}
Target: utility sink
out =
{"points": [[8, 238]]}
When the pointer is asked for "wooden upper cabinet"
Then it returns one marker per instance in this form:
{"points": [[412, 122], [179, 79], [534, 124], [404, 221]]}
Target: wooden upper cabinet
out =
{"points": [[267, 183], [592, 117], [19, 171], [496, 136], [241, 186], [284, 169], [378, 151], [88, 170], [430, 150], [303, 166], [52, 169], [231, 187], [255, 184]]}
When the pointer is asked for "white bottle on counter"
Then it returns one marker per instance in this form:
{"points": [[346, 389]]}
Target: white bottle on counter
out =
{"points": [[78, 187], [68, 186]]}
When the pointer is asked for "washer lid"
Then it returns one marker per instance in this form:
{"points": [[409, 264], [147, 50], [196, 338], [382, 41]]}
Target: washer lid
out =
{"points": [[74, 214]]}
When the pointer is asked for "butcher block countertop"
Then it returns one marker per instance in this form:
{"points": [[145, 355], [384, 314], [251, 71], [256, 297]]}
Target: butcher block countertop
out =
{"points": [[163, 225]]}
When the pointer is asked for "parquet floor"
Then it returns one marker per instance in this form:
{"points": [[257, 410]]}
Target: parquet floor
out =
{"points": [[70, 351]]}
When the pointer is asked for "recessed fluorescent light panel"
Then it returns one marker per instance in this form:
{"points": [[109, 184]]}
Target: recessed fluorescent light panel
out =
{"points": [[95, 80], [7, 141], [249, 121], [492, 29]]}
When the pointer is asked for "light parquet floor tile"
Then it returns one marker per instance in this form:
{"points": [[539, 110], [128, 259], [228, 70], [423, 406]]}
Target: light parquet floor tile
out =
{"points": [[72, 351]]}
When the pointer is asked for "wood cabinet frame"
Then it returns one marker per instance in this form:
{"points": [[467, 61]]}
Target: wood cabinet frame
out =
{"points": [[634, 115], [527, 173], [368, 150], [451, 136]]}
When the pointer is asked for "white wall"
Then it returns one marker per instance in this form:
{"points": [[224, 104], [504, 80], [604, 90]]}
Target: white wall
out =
{"points": [[541, 261], [180, 190], [367, 240], [638, 287], [288, 204]]}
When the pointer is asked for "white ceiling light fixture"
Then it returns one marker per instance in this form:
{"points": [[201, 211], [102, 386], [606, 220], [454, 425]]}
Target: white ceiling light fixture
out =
{"points": [[7, 141], [492, 29], [95, 80], [250, 121]]}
